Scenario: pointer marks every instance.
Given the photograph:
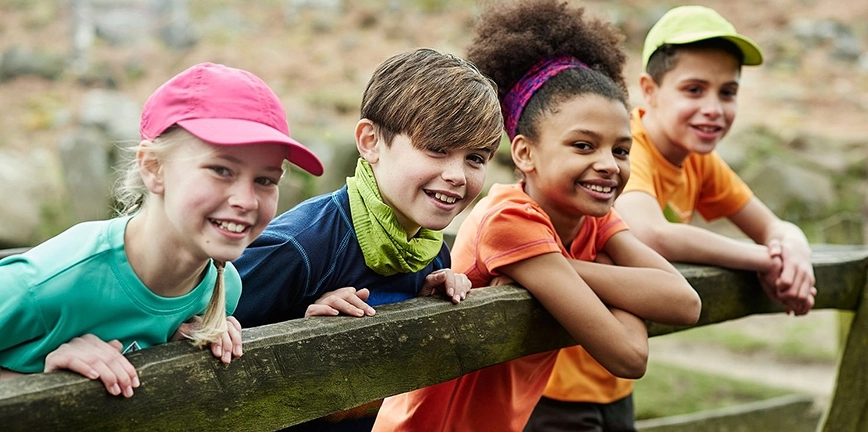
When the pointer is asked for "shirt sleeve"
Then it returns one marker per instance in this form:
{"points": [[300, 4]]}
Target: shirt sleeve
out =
{"points": [[20, 317], [641, 172], [275, 274], [723, 192], [514, 233]]}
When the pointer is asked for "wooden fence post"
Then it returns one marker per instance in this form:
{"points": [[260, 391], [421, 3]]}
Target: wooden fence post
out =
{"points": [[848, 409]]}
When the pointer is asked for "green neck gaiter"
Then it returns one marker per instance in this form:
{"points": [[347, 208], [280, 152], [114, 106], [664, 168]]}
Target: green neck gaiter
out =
{"points": [[383, 240]]}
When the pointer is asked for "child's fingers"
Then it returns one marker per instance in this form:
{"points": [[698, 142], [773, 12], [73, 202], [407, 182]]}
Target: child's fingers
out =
{"points": [[123, 371], [345, 304], [449, 282], [235, 335], [353, 305], [225, 348], [349, 303], [363, 294], [320, 310], [461, 287], [787, 276], [105, 375], [434, 280], [124, 374], [346, 300], [775, 248], [96, 359]]}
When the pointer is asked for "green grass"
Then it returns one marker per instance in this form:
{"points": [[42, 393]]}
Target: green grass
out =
{"points": [[670, 390], [789, 340]]}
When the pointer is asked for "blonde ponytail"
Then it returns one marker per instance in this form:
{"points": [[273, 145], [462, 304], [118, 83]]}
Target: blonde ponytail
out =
{"points": [[213, 324]]}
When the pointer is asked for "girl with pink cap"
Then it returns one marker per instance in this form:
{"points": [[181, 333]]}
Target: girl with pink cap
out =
{"points": [[201, 187]]}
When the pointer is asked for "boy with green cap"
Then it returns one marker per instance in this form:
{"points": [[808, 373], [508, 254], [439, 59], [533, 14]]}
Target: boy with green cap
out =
{"points": [[692, 59]]}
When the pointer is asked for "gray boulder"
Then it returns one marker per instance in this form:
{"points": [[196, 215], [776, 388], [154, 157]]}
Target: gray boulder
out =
{"points": [[32, 196]]}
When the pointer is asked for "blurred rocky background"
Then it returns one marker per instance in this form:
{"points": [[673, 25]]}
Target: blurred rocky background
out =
{"points": [[74, 74]]}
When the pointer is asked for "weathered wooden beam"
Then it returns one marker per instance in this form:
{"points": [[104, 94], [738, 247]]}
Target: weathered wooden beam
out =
{"points": [[303, 369], [6, 252], [791, 413], [293, 371], [729, 294], [848, 409]]}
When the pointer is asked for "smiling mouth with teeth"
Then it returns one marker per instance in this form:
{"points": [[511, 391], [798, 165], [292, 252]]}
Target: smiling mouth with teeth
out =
{"points": [[598, 188], [444, 198], [230, 226], [708, 128]]}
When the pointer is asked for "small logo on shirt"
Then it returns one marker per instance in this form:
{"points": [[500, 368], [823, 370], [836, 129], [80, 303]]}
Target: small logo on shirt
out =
{"points": [[132, 347]]}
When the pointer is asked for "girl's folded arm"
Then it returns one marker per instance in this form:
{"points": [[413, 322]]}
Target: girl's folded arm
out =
{"points": [[616, 339], [641, 282]]}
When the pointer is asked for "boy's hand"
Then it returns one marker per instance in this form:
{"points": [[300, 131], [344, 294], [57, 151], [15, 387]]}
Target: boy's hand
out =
{"points": [[94, 358], [347, 301], [445, 281], [768, 278], [795, 285], [790, 281]]}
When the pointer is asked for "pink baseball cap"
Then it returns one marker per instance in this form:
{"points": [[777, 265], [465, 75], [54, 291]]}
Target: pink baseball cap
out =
{"points": [[224, 106]]}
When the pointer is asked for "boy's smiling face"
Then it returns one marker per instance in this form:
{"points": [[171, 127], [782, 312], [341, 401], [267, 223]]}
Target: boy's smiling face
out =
{"points": [[426, 188], [695, 104]]}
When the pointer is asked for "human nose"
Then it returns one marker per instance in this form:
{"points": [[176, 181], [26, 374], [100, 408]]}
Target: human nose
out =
{"points": [[243, 196], [453, 172], [712, 107], [606, 164]]}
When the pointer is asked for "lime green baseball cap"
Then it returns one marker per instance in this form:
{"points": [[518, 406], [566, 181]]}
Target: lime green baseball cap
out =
{"points": [[686, 24]]}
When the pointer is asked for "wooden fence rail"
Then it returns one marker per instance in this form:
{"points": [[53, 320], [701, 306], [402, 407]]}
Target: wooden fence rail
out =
{"points": [[303, 369]]}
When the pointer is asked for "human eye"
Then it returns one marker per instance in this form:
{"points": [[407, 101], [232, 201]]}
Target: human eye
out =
{"points": [[622, 152], [693, 90], [582, 146], [267, 181], [477, 159], [221, 171], [729, 93]]}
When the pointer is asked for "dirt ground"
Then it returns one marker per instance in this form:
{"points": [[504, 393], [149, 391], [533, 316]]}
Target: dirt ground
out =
{"points": [[320, 61], [812, 377]]}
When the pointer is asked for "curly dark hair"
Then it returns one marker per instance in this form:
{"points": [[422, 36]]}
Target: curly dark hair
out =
{"points": [[511, 38]]}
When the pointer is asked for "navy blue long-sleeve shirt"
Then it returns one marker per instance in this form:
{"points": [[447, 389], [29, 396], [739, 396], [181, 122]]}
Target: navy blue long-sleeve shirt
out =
{"points": [[307, 251]]}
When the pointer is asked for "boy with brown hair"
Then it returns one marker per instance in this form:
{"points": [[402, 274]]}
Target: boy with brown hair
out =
{"points": [[430, 122], [692, 58]]}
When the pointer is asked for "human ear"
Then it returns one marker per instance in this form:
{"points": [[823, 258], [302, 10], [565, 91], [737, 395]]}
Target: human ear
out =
{"points": [[648, 87], [522, 155], [150, 167], [367, 141]]}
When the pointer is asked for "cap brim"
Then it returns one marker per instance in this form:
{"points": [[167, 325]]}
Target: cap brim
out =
{"points": [[750, 50], [243, 132]]}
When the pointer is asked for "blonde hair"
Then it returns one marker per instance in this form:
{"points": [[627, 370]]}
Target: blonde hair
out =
{"points": [[213, 324], [131, 196]]}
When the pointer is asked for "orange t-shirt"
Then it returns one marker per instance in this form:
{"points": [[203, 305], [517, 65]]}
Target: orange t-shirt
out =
{"points": [[505, 227], [704, 183]]}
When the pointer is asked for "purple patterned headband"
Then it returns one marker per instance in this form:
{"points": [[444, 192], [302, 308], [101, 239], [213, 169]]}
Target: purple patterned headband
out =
{"points": [[518, 96]]}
